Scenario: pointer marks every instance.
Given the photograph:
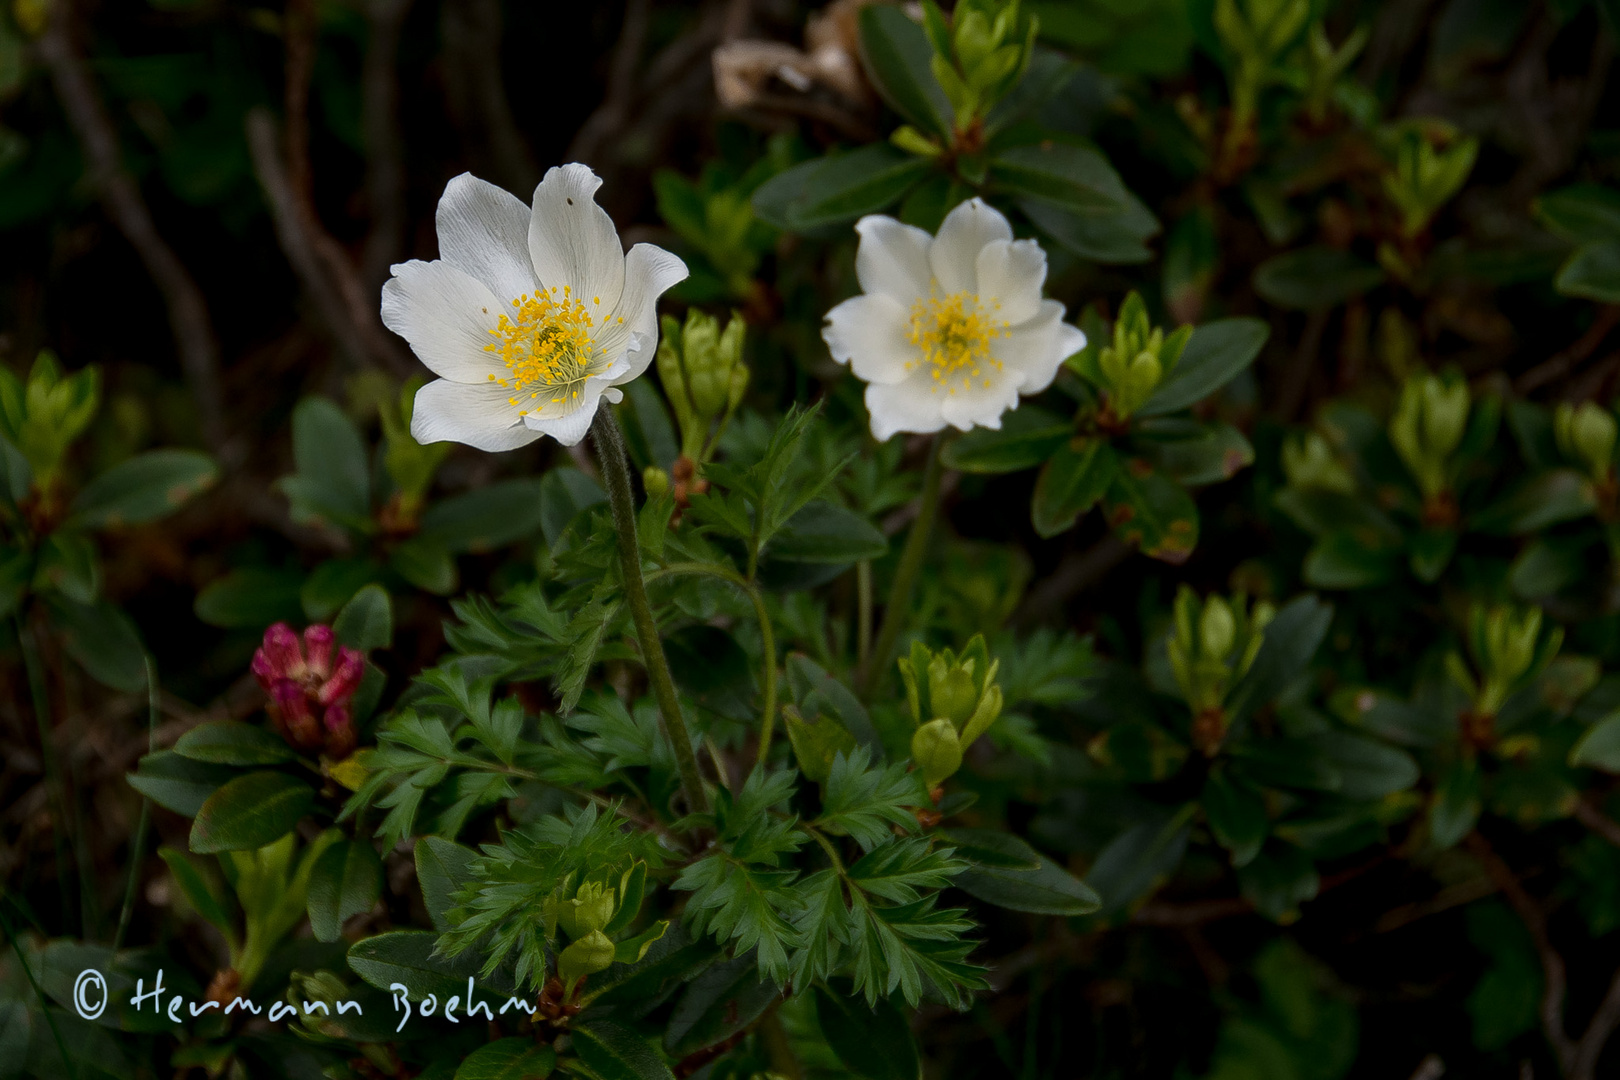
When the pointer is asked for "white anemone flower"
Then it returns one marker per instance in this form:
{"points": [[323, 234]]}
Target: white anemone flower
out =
{"points": [[950, 329], [530, 316]]}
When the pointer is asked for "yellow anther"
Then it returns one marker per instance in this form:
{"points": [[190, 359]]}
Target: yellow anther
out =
{"points": [[954, 334], [545, 344]]}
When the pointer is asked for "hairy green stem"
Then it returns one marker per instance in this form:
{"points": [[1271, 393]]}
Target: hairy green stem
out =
{"points": [[767, 635], [616, 473], [137, 846], [898, 607], [47, 749]]}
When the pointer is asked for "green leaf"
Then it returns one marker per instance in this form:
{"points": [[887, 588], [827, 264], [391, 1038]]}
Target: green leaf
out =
{"points": [[725, 999], [1136, 861], [1278, 880], [708, 664], [252, 598], [1545, 498], [1456, 803], [331, 585], [818, 694], [408, 956], [1191, 452], [838, 188], [250, 812], [333, 481], [1430, 551], [1290, 642], [512, 1058], [1042, 889], [143, 488], [1027, 437], [1236, 815], [178, 783], [487, 518], [1071, 483], [867, 803], [1152, 511], [234, 742], [367, 621], [896, 54], [1215, 354], [873, 1043], [1368, 769], [1341, 561], [67, 564], [1593, 273], [1581, 213], [345, 881], [1314, 278], [1599, 747], [103, 640], [1117, 235], [442, 867], [823, 532], [564, 495], [208, 901], [614, 1052], [1076, 179]]}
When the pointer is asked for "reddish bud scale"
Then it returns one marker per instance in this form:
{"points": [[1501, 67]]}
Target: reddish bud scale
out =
{"points": [[310, 688]]}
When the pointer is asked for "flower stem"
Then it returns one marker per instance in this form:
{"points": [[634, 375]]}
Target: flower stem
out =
{"points": [[616, 472], [898, 607]]}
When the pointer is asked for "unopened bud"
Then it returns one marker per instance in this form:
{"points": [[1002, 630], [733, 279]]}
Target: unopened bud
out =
{"points": [[1217, 630], [655, 480], [351, 668], [590, 954], [590, 910], [937, 751], [318, 641], [1309, 464], [1586, 433], [951, 690]]}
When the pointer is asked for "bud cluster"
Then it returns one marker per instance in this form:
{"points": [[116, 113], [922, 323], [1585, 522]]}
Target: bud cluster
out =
{"points": [[310, 682], [589, 912], [1310, 464], [1212, 645], [1431, 162], [44, 416], [704, 376], [1427, 428], [954, 699], [1586, 434], [980, 53], [1508, 649], [1130, 367]]}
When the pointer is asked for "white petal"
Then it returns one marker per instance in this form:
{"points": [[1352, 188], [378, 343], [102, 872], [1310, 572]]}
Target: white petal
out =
{"points": [[476, 415], [484, 232], [977, 405], [1034, 350], [954, 255], [572, 240], [869, 334], [1010, 275], [911, 406], [649, 270], [445, 314], [892, 259], [570, 427]]}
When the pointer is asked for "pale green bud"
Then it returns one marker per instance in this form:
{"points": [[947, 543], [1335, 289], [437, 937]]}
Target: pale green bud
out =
{"points": [[1217, 630], [655, 480], [592, 953], [739, 386], [937, 750], [1586, 433], [951, 690], [987, 712], [672, 371], [1212, 644], [912, 141], [46, 414], [1428, 426], [590, 910], [1310, 464]]}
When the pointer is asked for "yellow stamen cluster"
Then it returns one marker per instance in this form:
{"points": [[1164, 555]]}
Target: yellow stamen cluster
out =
{"points": [[547, 347], [954, 334]]}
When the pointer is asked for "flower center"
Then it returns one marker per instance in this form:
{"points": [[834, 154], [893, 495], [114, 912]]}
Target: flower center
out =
{"points": [[954, 334], [547, 347]]}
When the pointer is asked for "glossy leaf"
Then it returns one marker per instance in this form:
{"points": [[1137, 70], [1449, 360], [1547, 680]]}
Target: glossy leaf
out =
{"points": [[1151, 511], [252, 598], [1044, 888], [1593, 272], [1071, 483], [513, 1058], [234, 742], [1291, 640], [614, 1052], [1546, 498], [823, 532], [895, 54], [1599, 748], [143, 488], [1190, 452], [250, 812], [177, 783], [1315, 278], [367, 621], [409, 957], [442, 867], [1340, 561], [1117, 235], [838, 188], [1278, 880], [103, 640], [725, 999], [1236, 815], [333, 481], [1216, 354], [1581, 213], [564, 495], [1027, 437], [487, 518]]}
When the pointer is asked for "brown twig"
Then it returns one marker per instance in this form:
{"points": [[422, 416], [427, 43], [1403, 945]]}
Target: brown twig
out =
{"points": [[477, 96], [610, 116], [1560, 365], [1554, 975], [1599, 822], [385, 149], [188, 310]]}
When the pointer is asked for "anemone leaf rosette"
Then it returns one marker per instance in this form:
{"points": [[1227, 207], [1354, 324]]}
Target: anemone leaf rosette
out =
{"points": [[949, 329], [530, 315]]}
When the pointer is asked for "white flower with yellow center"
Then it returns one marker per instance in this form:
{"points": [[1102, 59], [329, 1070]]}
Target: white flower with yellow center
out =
{"points": [[950, 329], [530, 316]]}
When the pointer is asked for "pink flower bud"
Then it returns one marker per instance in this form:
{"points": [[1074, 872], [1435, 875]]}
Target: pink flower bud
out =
{"points": [[340, 733], [318, 641], [289, 700], [351, 666], [263, 670], [286, 655]]}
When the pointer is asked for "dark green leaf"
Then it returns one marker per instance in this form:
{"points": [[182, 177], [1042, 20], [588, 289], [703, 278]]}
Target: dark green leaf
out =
{"points": [[1077, 179], [234, 742], [1027, 437], [487, 518], [824, 532], [1315, 278], [895, 54], [874, 1043], [722, 1001], [178, 783], [1341, 561], [513, 1058], [1152, 511], [250, 812], [838, 188], [1215, 354], [442, 867], [143, 488], [208, 901], [103, 640], [331, 584], [1593, 272], [1581, 213], [1291, 640], [1430, 551], [564, 495], [408, 956], [1116, 235], [1278, 880], [1192, 452], [332, 482], [1137, 860], [1456, 803], [367, 621], [1546, 498], [252, 598], [66, 563], [1599, 748], [426, 564], [1236, 814], [1042, 889], [346, 880], [614, 1052], [707, 663], [1071, 483]]}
